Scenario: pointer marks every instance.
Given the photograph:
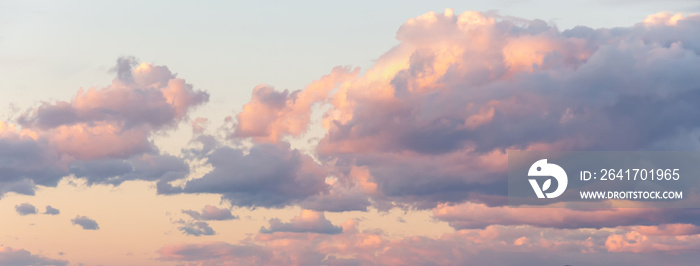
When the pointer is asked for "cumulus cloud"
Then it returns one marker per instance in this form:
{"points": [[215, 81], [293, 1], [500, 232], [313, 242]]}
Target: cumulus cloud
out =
{"points": [[85, 222], [142, 95], [20, 257], [429, 124], [101, 134], [25, 209], [432, 119], [51, 210], [211, 213], [307, 222], [117, 120]]}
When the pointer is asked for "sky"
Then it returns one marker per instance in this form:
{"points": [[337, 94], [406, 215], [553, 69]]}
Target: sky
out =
{"points": [[333, 133]]}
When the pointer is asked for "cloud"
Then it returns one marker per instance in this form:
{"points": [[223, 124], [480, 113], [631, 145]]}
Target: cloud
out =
{"points": [[27, 161], [85, 222], [493, 245], [20, 257], [51, 210], [269, 175], [428, 126], [215, 252], [637, 242], [471, 216], [271, 115], [142, 97], [338, 199], [211, 213], [668, 229], [101, 134], [25, 209], [432, 119], [307, 222], [196, 228], [199, 125], [148, 166]]}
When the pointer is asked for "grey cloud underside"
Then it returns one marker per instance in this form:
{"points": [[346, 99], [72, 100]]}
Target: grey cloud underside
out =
{"points": [[51, 210], [211, 213], [152, 167], [196, 229], [24, 163], [85, 222], [21, 257], [268, 176], [319, 226], [338, 202], [278, 226], [25, 209]]}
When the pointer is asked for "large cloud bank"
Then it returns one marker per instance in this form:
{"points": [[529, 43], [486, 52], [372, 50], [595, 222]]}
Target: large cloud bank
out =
{"points": [[431, 121], [427, 127]]}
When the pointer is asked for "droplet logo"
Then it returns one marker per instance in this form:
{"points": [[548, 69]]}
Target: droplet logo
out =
{"points": [[542, 168]]}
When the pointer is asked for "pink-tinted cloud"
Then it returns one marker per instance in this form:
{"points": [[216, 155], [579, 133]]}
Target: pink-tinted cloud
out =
{"points": [[430, 122], [102, 134], [116, 121], [668, 229], [199, 125], [471, 215], [493, 245], [637, 242], [271, 114], [470, 86]]}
